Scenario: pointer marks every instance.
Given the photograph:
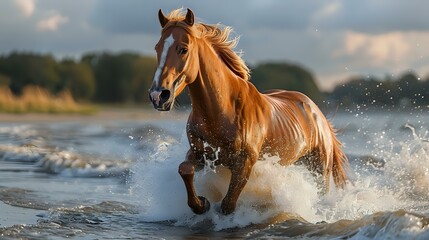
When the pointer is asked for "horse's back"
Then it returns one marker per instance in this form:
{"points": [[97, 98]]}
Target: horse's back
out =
{"points": [[294, 103], [288, 95]]}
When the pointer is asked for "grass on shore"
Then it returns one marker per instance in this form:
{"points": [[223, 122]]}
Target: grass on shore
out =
{"points": [[38, 100]]}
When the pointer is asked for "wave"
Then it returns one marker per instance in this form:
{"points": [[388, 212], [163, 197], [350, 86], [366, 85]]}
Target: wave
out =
{"points": [[64, 163], [98, 221], [380, 225], [22, 131]]}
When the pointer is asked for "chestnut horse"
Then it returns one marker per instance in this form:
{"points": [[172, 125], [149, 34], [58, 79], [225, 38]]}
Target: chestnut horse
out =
{"points": [[230, 114]]}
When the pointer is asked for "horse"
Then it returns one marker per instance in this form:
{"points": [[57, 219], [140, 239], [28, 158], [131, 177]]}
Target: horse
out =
{"points": [[229, 114]]}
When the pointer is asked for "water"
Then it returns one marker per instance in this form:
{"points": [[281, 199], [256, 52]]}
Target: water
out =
{"points": [[117, 179]]}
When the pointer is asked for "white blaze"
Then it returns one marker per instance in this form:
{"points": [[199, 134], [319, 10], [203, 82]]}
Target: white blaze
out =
{"points": [[167, 44]]}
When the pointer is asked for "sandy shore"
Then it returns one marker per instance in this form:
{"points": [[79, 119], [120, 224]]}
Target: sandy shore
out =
{"points": [[105, 114]]}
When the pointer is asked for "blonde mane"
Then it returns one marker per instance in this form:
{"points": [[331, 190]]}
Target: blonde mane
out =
{"points": [[217, 36]]}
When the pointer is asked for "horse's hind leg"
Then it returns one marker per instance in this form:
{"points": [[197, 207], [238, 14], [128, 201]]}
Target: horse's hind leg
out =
{"points": [[314, 164]]}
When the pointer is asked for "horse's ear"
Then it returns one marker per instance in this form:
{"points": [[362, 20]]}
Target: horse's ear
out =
{"points": [[162, 19], [189, 19]]}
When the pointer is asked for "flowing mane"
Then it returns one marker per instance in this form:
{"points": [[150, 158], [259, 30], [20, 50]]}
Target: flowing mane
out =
{"points": [[218, 37]]}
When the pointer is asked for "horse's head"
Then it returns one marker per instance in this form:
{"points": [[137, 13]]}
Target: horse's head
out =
{"points": [[177, 60]]}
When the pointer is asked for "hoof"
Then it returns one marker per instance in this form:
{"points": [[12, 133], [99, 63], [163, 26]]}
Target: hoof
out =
{"points": [[227, 209], [205, 205]]}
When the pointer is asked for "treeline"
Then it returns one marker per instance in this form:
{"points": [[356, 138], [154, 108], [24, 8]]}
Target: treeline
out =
{"points": [[126, 78], [407, 90], [123, 77], [286, 76], [99, 77]]}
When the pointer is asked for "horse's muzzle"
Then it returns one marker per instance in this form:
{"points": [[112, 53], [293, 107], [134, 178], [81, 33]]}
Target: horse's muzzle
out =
{"points": [[161, 99]]}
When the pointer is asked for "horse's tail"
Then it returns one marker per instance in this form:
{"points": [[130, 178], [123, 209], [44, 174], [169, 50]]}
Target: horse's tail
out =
{"points": [[339, 163]]}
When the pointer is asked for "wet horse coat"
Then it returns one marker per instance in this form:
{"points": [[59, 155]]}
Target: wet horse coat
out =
{"points": [[230, 114]]}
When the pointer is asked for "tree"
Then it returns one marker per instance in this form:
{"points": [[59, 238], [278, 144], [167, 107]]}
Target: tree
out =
{"points": [[286, 76], [31, 69], [387, 92], [144, 69], [78, 78], [123, 77]]}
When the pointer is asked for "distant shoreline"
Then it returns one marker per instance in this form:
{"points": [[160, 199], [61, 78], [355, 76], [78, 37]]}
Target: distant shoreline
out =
{"points": [[103, 114], [133, 113]]}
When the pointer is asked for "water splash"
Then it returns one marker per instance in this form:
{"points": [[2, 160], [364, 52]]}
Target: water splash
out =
{"points": [[211, 156], [274, 190]]}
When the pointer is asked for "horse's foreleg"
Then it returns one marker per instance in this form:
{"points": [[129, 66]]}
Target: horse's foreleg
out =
{"points": [[198, 204], [239, 176]]}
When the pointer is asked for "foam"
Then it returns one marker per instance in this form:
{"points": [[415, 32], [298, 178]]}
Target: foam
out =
{"points": [[274, 190], [64, 163], [23, 131]]}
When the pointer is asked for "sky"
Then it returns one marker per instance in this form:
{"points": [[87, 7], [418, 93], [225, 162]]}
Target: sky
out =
{"points": [[333, 39]]}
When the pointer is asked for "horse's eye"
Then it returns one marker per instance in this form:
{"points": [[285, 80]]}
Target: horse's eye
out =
{"points": [[183, 51]]}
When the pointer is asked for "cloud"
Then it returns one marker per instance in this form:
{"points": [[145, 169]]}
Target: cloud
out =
{"points": [[26, 7], [52, 23], [388, 49], [327, 10]]}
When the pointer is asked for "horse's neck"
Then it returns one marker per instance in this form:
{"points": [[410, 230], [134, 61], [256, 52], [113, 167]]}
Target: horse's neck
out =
{"points": [[215, 86]]}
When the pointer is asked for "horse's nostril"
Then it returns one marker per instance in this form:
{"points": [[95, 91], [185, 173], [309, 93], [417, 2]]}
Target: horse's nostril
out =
{"points": [[165, 95]]}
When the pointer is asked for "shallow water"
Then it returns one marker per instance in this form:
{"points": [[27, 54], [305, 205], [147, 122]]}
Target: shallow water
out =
{"points": [[117, 179]]}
